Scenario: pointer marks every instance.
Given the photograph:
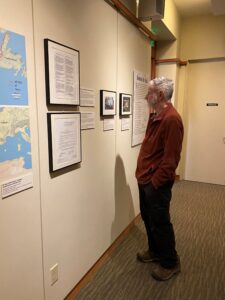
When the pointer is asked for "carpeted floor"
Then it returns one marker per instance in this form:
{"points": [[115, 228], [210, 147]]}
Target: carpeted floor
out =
{"points": [[198, 216]]}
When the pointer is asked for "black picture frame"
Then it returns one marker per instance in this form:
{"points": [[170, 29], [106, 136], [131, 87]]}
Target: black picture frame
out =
{"points": [[125, 104], [64, 140], [62, 73], [107, 103]]}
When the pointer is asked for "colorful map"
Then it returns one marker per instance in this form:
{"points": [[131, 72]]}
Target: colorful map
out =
{"points": [[13, 75], [15, 146]]}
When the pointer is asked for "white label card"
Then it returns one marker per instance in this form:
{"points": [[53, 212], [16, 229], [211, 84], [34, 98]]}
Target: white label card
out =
{"points": [[109, 124], [87, 97], [125, 124], [87, 120], [17, 185]]}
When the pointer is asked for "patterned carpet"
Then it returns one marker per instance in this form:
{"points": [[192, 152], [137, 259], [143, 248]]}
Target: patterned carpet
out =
{"points": [[198, 216]]}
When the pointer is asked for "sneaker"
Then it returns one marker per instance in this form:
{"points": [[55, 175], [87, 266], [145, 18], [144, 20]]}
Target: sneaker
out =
{"points": [[162, 274], [147, 256]]}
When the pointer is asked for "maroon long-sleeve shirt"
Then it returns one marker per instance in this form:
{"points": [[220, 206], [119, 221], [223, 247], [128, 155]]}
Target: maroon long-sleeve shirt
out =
{"points": [[160, 151]]}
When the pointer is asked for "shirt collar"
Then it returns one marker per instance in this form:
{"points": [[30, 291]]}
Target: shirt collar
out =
{"points": [[163, 112]]}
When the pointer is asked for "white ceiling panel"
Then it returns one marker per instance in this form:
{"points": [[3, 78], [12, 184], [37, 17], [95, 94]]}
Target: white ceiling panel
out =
{"points": [[200, 7], [193, 7]]}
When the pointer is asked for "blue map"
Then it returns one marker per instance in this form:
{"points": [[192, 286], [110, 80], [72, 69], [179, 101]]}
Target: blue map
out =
{"points": [[13, 74], [16, 147], [15, 143]]}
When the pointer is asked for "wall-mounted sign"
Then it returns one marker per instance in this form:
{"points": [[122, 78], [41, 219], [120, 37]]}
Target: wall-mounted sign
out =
{"points": [[64, 136], [212, 104], [15, 138], [62, 68]]}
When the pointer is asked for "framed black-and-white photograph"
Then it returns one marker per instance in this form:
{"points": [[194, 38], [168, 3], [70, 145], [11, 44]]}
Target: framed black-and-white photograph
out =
{"points": [[62, 74], [64, 137], [125, 104], [107, 103]]}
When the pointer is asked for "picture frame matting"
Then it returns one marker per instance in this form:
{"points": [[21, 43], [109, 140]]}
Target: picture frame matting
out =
{"points": [[62, 73], [125, 104], [64, 139], [107, 103]]}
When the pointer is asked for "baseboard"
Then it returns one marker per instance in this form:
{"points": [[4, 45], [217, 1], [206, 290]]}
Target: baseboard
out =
{"points": [[87, 277]]}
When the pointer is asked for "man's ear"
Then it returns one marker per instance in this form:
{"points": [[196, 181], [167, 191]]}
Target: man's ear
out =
{"points": [[161, 96]]}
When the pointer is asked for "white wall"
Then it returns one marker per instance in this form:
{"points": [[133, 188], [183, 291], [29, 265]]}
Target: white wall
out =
{"points": [[202, 37], [20, 227], [83, 209], [78, 206], [133, 54]]}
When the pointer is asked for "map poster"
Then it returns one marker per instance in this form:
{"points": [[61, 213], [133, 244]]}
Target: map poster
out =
{"points": [[13, 70], [15, 145]]}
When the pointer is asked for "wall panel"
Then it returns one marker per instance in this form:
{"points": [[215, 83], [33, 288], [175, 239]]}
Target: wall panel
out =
{"points": [[20, 228], [73, 216]]}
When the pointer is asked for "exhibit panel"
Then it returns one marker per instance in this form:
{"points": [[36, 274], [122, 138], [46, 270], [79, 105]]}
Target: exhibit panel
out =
{"points": [[83, 191], [76, 232], [21, 274]]}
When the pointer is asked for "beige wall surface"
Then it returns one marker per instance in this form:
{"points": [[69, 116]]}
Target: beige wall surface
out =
{"points": [[21, 274], [84, 210], [205, 159], [170, 49], [72, 217], [172, 17], [134, 53], [202, 37], [77, 204], [172, 20]]}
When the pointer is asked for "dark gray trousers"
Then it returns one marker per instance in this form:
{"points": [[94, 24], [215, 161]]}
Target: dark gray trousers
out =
{"points": [[154, 206]]}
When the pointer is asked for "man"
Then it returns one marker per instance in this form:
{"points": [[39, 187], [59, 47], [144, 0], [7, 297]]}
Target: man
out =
{"points": [[157, 161]]}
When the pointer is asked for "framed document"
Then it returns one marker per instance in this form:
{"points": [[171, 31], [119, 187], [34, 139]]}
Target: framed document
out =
{"points": [[62, 74], [64, 137], [125, 104], [107, 103]]}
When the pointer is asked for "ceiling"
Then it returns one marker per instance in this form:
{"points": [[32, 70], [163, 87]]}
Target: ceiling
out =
{"points": [[200, 7]]}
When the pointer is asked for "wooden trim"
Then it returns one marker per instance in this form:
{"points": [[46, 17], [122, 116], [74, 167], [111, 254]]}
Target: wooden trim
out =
{"points": [[153, 61], [171, 60], [132, 18], [203, 60], [87, 277]]}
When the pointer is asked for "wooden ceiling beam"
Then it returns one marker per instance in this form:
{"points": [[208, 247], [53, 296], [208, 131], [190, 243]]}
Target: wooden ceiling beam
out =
{"points": [[171, 60]]}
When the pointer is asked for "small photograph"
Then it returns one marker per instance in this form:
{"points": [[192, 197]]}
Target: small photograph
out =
{"points": [[107, 103], [125, 104]]}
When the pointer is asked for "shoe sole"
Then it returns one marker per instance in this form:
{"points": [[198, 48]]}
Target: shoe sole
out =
{"points": [[148, 260], [156, 277]]}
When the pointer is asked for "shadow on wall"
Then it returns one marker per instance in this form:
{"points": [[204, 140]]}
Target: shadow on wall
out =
{"points": [[124, 207]]}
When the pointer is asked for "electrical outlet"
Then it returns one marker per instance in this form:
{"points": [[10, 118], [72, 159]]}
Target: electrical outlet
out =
{"points": [[54, 274]]}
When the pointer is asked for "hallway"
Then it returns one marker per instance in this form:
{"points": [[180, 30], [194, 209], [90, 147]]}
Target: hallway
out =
{"points": [[197, 211]]}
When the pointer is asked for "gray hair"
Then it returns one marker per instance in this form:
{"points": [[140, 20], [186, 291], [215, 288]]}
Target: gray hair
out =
{"points": [[164, 85]]}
